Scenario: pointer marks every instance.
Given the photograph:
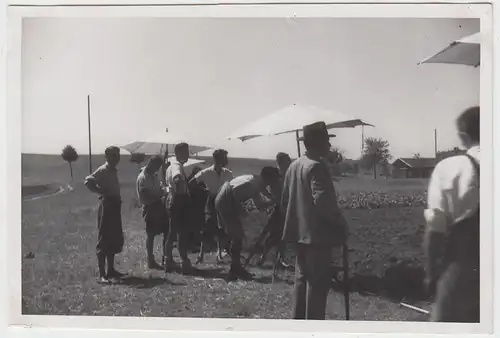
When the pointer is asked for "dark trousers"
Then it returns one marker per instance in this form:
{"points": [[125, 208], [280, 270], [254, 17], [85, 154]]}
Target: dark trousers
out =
{"points": [[235, 253], [110, 237], [150, 238], [313, 277], [457, 297], [178, 207]]}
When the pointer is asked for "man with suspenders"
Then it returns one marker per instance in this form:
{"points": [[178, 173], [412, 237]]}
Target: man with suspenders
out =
{"points": [[452, 234]]}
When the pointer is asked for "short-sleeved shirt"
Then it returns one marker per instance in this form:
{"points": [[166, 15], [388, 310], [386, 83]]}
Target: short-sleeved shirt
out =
{"points": [[176, 169], [453, 193], [106, 179], [245, 187], [212, 179], [151, 184]]}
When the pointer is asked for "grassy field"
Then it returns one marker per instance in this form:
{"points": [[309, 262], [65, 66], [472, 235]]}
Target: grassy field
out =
{"points": [[59, 276]]}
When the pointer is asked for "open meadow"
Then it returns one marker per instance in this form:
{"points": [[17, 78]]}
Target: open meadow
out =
{"points": [[59, 264]]}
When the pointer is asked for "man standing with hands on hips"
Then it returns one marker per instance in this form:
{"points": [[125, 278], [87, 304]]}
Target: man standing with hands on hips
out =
{"points": [[314, 223], [104, 182]]}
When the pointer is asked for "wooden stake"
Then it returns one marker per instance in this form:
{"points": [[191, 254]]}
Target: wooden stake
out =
{"points": [[414, 308]]}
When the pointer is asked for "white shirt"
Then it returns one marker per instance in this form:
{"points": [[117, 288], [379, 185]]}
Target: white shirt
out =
{"points": [[245, 187], [212, 179], [150, 183], [453, 193], [176, 169]]}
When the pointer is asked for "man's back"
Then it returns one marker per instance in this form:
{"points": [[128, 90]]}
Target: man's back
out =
{"points": [[453, 193], [310, 205]]}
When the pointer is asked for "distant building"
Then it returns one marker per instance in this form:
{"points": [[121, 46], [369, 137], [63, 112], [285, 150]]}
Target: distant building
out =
{"points": [[413, 167]]}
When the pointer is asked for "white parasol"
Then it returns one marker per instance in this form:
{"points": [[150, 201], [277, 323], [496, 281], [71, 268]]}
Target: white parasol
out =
{"points": [[292, 119], [466, 51]]}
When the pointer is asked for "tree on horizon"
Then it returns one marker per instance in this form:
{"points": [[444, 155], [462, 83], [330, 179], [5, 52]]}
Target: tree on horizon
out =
{"points": [[69, 155], [375, 153], [333, 161]]}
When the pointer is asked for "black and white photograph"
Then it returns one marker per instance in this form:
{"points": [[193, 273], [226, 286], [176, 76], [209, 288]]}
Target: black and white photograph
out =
{"points": [[287, 167]]}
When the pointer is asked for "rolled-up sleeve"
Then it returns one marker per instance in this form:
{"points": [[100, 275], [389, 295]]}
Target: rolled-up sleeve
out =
{"points": [[96, 176], [200, 176], [436, 214], [324, 196]]}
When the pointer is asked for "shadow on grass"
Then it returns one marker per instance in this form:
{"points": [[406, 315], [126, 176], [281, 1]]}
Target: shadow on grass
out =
{"points": [[210, 273], [146, 282], [399, 282], [269, 280]]}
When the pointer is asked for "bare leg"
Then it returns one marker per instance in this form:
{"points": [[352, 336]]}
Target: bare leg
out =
{"points": [[201, 253], [149, 249], [219, 249], [101, 261], [112, 273]]}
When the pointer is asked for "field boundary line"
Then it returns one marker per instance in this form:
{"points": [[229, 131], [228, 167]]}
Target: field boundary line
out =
{"points": [[59, 191]]}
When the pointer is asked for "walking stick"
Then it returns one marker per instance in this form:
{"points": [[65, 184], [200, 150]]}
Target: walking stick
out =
{"points": [[345, 263]]}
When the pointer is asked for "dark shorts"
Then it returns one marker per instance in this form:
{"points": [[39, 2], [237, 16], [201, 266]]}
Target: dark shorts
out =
{"points": [[110, 238], [156, 217], [229, 213]]}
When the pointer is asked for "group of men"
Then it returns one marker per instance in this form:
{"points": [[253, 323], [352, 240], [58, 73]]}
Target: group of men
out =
{"points": [[305, 202], [167, 208]]}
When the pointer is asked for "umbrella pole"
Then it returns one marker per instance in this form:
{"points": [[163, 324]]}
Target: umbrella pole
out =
{"points": [[90, 137], [298, 141]]}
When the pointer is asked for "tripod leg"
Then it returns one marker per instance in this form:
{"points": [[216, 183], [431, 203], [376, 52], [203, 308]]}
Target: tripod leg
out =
{"points": [[345, 263]]}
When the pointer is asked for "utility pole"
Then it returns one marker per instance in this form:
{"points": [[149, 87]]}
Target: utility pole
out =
{"points": [[435, 143], [90, 136]]}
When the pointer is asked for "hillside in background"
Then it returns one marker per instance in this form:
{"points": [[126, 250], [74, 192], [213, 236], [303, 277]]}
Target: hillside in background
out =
{"points": [[44, 169]]}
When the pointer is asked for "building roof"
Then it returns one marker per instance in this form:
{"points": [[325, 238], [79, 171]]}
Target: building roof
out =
{"points": [[418, 162]]}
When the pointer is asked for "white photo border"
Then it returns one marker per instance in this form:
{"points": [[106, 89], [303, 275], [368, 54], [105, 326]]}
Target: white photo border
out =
{"points": [[196, 326]]}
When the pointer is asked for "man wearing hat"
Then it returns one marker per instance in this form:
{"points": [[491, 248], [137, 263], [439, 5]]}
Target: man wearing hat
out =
{"points": [[314, 223]]}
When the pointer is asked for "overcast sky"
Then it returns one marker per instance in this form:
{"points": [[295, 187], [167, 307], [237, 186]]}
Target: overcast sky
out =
{"points": [[213, 76]]}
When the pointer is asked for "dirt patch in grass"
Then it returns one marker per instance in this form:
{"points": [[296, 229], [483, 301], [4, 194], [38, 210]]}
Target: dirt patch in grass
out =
{"points": [[38, 190]]}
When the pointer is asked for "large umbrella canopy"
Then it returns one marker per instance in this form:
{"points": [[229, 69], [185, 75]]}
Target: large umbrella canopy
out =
{"points": [[166, 141], [292, 119], [466, 51]]}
